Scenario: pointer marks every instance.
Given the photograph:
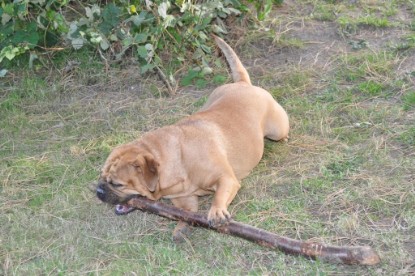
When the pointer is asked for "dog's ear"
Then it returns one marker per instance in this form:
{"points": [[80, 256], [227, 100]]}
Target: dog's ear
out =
{"points": [[152, 165], [109, 165], [148, 167], [150, 172]]}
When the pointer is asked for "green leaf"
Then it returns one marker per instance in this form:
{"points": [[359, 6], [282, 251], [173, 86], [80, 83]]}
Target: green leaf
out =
{"points": [[77, 43], [190, 77], [150, 50], [163, 8], [263, 9], [139, 19], [205, 48], [50, 39], [203, 23], [169, 21], [203, 36], [58, 21], [147, 67], [206, 71], [95, 37], [6, 31], [28, 36], [9, 9], [21, 9], [32, 57], [111, 18], [93, 12], [111, 14], [5, 18], [140, 38], [104, 44], [142, 52], [11, 52], [105, 28], [3, 73]]}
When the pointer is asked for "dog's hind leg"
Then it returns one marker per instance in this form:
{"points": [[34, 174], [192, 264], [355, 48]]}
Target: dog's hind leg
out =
{"points": [[182, 229], [276, 123]]}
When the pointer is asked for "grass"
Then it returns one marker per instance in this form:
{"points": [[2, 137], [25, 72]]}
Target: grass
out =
{"points": [[345, 177], [325, 12], [409, 100]]}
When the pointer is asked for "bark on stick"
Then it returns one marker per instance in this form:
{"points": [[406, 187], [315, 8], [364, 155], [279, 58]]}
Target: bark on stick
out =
{"points": [[363, 255]]}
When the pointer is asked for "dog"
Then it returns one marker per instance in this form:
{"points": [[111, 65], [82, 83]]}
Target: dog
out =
{"points": [[208, 152]]}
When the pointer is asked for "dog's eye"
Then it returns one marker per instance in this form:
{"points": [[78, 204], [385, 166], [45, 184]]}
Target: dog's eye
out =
{"points": [[116, 185]]}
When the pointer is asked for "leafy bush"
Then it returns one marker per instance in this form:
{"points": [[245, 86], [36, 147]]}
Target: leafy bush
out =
{"points": [[151, 30], [27, 24]]}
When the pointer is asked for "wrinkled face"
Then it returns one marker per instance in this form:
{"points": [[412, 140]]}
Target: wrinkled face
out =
{"points": [[128, 172]]}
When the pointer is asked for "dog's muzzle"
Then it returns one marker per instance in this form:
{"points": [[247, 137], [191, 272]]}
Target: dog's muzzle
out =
{"points": [[101, 193], [105, 195]]}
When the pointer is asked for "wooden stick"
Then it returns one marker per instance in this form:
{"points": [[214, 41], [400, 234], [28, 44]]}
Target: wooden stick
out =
{"points": [[363, 255], [166, 81]]}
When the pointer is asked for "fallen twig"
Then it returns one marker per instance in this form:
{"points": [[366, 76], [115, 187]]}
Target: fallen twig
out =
{"points": [[364, 255], [163, 77]]}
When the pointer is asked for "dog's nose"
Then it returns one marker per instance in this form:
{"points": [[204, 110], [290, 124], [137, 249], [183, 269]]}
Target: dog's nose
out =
{"points": [[101, 192]]}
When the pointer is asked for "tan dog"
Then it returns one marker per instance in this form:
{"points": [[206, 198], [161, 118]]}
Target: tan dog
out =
{"points": [[205, 153]]}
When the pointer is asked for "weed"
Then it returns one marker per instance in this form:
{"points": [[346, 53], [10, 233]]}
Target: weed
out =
{"points": [[284, 41], [409, 100], [11, 101], [342, 168], [371, 88], [408, 137], [350, 25], [199, 103], [358, 44], [411, 39], [325, 12], [363, 65], [374, 21], [292, 83], [219, 79], [336, 94]]}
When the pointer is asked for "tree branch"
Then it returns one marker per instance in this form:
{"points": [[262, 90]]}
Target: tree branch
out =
{"points": [[363, 255]]}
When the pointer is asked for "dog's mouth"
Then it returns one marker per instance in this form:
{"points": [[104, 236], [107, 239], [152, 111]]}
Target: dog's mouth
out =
{"points": [[123, 209], [121, 203]]}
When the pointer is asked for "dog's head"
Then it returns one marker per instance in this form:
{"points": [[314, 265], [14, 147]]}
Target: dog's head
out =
{"points": [[128, 172]]}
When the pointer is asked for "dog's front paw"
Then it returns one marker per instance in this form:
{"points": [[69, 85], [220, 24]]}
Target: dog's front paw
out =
{"points": [[218, 216]]}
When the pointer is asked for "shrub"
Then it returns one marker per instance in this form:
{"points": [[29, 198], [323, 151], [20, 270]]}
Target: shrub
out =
{"points": [[148, 29]]}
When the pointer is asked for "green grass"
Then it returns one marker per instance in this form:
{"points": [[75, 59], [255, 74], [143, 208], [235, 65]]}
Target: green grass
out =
{"points": [[325, 12], [370, 88], [366, 64], [409, 100], [344, 178], [408, 137], [350, 25]]}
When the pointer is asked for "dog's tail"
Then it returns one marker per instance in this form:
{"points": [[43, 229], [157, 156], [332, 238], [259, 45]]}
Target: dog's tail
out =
{"points": [[239, 72]]}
